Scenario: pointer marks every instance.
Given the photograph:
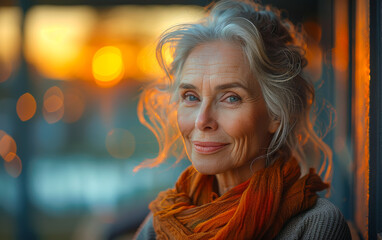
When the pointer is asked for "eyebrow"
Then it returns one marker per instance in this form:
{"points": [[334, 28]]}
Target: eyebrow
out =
{"points": [[219, 87]]}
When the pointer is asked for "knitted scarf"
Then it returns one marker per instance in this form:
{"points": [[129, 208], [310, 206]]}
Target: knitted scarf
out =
{"points": [[255, 209]]}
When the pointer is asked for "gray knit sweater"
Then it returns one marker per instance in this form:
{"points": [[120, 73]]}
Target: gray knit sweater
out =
{"points": [[324, 221]]}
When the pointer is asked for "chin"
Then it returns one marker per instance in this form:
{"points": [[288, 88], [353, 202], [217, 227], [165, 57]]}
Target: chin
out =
{"points": [[204, 170], [206, 166]]}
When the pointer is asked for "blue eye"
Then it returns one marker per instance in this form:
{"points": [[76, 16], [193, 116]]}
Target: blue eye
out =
{"points": [[233, 99], [190, 98]]}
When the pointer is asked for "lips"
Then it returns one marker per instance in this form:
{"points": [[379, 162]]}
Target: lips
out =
{"points": [[208, 147]]}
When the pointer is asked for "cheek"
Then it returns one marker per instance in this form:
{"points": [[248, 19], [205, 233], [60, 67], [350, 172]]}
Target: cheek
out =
{"points": [[249, 135], [237, 126], [185, 125], [252, 130], [186, 121], [242, 133]]}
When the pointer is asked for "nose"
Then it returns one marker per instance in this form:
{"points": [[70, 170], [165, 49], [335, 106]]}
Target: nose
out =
{"points": [[206, 121]]}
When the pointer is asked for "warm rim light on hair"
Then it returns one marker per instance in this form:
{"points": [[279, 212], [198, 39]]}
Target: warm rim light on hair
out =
{"points": [[158, 114]]}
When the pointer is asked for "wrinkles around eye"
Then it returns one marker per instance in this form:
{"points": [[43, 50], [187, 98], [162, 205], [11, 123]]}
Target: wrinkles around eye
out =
{"points": [[190, 97], [230, 98]]}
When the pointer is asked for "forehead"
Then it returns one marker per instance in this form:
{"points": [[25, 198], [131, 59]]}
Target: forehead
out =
{"points": [[218, 61]]}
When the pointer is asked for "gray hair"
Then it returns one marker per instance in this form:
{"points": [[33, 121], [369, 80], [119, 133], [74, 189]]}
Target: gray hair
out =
{"points": [[274, 48]]}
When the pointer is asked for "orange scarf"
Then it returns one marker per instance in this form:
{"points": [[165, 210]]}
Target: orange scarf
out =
{"points": [[255, 209]]}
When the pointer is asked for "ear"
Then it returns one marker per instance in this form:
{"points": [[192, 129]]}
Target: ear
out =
{"points": [[273, 125]]}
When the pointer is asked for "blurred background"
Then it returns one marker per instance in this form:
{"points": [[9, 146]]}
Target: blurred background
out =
{"points": [[70, 77]]}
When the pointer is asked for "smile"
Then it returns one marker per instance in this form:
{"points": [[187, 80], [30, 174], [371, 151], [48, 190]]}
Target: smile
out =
{"points": [[208, 147]]}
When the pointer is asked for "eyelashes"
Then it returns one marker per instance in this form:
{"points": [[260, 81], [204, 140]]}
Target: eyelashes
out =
{"points": [[189, 97], [233, 99], [229, 98]]}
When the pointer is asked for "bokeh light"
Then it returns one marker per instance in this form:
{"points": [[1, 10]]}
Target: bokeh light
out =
{"points": [[64, 42], [26, 107], [107, 66], [14, 166], [53, 117], [74, 105], [8, 146], [148, 63], [10, 25], [10, 156], [53, 107], [55, 37], [53, 103], [120, 143]]}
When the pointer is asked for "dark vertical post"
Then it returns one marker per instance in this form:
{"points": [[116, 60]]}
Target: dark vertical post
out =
{"points": [[351, 112], [23, 139], [375, 187]]}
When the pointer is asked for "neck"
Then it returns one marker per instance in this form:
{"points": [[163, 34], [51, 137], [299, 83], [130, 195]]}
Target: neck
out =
{"points": [[228, 180]]}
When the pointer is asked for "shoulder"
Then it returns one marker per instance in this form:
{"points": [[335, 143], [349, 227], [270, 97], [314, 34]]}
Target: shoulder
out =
{"points": [[323, 221], [146, 230]]}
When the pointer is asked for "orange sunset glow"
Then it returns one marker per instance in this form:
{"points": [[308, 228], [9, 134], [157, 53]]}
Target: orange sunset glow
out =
{"points": [[108, 67], [147, 61], [54, 38], [79, 46], [10, 20]]}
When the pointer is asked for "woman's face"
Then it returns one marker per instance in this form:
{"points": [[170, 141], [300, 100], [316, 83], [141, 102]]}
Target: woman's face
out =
{"points": [[222, 115]]}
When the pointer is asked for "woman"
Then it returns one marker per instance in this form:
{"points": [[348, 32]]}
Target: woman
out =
{"points": [[241, 107]]}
